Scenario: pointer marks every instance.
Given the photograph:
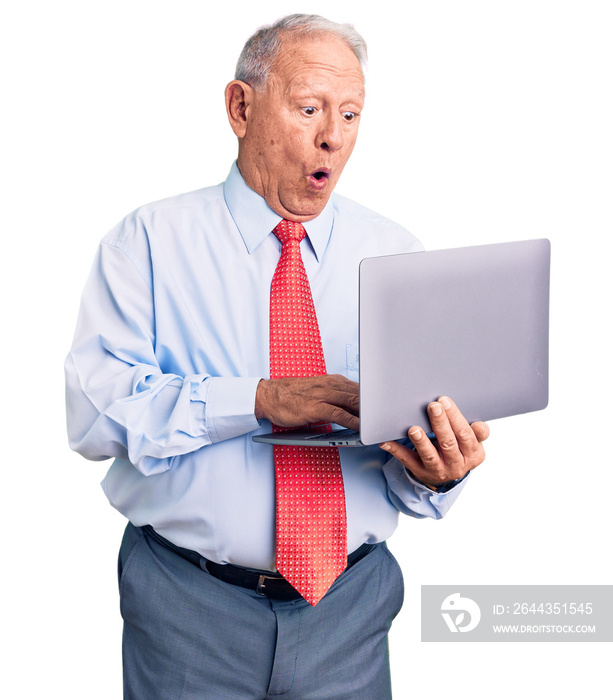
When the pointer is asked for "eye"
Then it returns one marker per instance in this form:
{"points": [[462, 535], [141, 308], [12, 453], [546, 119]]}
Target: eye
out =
{"points": [[349, 116], [309, 111]]}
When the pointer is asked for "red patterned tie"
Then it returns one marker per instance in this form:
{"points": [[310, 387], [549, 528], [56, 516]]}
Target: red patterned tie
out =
{"points": [[311, 520]]}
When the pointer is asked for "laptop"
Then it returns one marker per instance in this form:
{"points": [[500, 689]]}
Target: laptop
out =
{"points": [[471, 323]]}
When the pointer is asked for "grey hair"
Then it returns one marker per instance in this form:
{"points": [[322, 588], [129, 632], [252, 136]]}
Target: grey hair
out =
{"points": [[260, 51]]}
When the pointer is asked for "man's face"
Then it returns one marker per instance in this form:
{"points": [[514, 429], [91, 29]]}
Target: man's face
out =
{"points": [[302, 126]]}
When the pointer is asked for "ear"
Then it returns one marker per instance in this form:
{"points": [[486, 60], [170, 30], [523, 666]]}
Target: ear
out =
{"points": [[239, 97]]}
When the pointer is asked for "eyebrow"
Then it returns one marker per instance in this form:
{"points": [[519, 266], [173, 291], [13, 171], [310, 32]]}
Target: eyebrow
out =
{"points": [[314, 88]]}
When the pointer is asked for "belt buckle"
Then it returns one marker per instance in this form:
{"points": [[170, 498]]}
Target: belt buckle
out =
{"points": [[260, 589]]}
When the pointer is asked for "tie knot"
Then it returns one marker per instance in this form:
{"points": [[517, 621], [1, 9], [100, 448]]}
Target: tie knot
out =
{"points": [[289, 231]]}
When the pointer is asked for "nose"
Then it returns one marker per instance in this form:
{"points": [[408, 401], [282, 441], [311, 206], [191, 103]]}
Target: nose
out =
{"points": [[330, 136]]}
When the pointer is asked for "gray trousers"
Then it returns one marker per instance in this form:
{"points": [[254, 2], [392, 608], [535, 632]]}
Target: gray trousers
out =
{"points": [[188, 635]]}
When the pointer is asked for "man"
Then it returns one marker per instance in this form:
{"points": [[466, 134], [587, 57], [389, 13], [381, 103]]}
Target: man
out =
{"points": [[170, 374]]}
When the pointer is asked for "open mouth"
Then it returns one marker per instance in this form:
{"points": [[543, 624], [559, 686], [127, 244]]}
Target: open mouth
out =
{"points": [[319, 178]]}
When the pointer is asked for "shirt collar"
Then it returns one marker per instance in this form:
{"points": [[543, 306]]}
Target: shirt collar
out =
{"points": [[255, 220]]}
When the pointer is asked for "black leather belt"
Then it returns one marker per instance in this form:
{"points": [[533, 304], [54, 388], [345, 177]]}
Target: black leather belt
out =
{"points": [[265, 583]]}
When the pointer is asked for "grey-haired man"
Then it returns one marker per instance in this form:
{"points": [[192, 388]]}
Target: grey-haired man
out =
{"points": [[169, 375]]}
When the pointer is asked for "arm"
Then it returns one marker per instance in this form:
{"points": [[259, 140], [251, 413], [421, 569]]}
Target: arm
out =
{"points": [[120, 401], [127, 396]]}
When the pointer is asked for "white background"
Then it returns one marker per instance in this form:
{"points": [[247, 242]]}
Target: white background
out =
{"points": [[486, 121]]}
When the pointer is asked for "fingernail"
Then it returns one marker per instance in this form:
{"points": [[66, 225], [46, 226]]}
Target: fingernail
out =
{"points": [[415, 434], [436, 409], [384, 446], [445, 401]]}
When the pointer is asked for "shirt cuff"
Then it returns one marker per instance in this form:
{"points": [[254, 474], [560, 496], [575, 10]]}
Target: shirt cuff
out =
{"points": [[230, 406], [414, 498]]}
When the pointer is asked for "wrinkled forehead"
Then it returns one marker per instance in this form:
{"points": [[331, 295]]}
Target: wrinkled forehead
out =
{"points": [[314, 58]]}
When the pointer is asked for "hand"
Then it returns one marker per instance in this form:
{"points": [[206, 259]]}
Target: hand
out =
{"points": [[459, 447], [295, 401]]}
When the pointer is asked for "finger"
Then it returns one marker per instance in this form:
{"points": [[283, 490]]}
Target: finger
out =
{"points": [[424, 447], [481, 430], [445, 435], [423, 462], [349, 401], [464, 434], [469, 437], [406, 456], [337, 415], [337, 382], [334, 406], [333, 389], [342, 380]]}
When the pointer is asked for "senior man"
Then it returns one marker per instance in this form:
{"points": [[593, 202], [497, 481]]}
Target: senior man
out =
{"points": [[214, 314]]}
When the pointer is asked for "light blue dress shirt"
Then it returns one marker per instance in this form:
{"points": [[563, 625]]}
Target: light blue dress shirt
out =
{"points": [[171, 342]]}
